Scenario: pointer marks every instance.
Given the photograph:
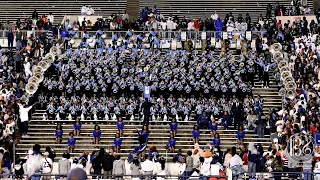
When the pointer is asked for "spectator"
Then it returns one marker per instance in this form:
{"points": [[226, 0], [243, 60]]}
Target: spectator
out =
{"points": [[6, 167], [24, 118], [174, 169], [236, 165], [118, 168], [10, 40], [213, 127], [47, 166], [203, 121], [51, 152], [189, 166], [97, 162], [135, 169], [252, 160], [77, 173], [225, 120], [107, 163]]}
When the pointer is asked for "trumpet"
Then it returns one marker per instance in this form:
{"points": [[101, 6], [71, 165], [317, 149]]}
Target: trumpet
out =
{"points": [[166, 63], [145, 69], [31, 88], [209, 69], [241, 64], [131, 71], [174, 64], [82, 65], [251, 62]]}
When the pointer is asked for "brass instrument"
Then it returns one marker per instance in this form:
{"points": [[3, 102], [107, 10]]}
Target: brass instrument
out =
{"points": [[188, 45], [204, 45], [31, 88]]}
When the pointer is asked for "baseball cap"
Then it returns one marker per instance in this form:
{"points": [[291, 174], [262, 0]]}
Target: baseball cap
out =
{"points": [[46, 153]]}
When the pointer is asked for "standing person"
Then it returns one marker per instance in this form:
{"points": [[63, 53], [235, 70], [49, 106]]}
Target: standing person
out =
{"points": [[24, 118], [107, 164], [252, 160], [10, 39], [6, 167], [236, 165], [189, 166], [135, 169], [34, 17], [19, 49], [237, 110], [146, 111], [50, 17], [47, 166], [147, 167], [97, 163], [118, 169], [64, 165], [266, 67]]}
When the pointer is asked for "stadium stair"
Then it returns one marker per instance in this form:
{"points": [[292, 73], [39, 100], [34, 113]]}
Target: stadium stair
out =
{"points": [[272, 100], [12, 10], [133, 9], [42, 132], [204, 8]]}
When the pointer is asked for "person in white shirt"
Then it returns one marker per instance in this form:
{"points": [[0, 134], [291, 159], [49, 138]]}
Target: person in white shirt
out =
{"points": [[147, 167], [214, 16], [174, 168], [84, 10], [47, 166], [163, 27], [205, 165], [27, 69], [170, 26], [90, 11], [125, 15], [236, 165], [24, 117], [50, 17]]}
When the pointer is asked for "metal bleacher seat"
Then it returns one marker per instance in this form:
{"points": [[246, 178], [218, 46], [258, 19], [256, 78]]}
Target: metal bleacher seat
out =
{"points": [[12, 10], [204, 8]]}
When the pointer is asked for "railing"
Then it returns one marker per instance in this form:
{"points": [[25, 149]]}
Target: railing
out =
{"points": [[100, 176], [164, 35], [258, 175]]}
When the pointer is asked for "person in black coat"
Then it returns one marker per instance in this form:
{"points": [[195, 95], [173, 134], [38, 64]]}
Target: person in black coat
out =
{"points": [[145, 107], [10, 40], [237, 110]]}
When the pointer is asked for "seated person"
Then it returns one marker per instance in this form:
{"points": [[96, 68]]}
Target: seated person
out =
{"points": [[203, 121]]}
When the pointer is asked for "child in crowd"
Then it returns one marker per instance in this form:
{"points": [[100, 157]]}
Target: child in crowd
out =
{"points": [[59, 133], [71, 142], [240, 135], [120, 125], [195, 134], [173, 126], [117, 141], [77, 127], [171, 143], [216, 140], [96, 134]]}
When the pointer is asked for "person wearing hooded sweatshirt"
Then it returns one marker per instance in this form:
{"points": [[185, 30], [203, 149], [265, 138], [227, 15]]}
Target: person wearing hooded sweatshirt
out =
{"points": [[64, 165]]}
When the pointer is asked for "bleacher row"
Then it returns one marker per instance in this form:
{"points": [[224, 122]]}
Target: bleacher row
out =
{"points": [[42, 132], [12, 10], [204, 8]]}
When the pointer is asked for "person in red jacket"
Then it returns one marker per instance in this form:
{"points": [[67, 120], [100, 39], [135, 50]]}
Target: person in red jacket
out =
{"points": [[196, 26]]}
